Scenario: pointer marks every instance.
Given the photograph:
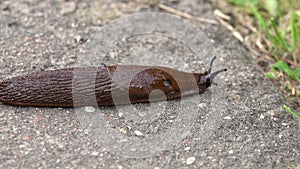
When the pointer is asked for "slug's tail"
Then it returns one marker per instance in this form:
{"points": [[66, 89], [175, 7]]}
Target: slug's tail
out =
{"points": [[1, 92], [4, 95], [37, 89], [9, 94]]}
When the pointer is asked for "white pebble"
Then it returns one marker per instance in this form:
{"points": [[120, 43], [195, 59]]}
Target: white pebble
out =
{"points": [[123, 131], [190, 160], [227, 118], [202, 105], [89, 109], [95, 153], [22, 146], [261, 116], [138, 133], [187, 148], [121, 114]]}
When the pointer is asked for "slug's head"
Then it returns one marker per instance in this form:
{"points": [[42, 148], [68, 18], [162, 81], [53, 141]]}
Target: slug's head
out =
{"points": [[206, 79]]}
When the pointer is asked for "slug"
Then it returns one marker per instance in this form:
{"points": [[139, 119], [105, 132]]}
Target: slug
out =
{"points": [[56, 88]]}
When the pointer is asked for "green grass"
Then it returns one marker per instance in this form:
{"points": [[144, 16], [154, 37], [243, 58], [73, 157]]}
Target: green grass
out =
{"points": [[283, 42], [291, 111], [281, 66], [295, 31]]}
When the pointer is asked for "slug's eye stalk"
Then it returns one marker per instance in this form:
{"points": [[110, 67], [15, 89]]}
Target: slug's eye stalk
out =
{"points": [[208, 79], [211, 64]]}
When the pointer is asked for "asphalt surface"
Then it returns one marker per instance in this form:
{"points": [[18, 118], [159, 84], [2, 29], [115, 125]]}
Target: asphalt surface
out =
{"points": [[246, 126]]}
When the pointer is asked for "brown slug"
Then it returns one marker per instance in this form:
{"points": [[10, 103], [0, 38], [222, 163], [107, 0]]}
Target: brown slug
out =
{"points": [[56, 88]]}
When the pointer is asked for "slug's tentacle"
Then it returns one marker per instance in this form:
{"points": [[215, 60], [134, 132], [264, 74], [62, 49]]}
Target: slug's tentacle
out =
{"points": [[211, 64], [208, 79], [213, 75]]}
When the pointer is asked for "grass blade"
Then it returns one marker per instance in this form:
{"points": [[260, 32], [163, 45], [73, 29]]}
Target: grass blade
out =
{"points": [[280, 38], [295, 30], [291, 111]]}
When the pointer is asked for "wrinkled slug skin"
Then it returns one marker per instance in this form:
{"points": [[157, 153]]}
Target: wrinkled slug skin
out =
{"points": [[56, 88]]}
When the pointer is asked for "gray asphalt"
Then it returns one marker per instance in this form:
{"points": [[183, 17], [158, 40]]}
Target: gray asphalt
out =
{"points": [[246, 125]]}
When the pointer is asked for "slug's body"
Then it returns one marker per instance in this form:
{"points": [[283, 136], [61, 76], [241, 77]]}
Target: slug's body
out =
{"points": [[103, 86]]}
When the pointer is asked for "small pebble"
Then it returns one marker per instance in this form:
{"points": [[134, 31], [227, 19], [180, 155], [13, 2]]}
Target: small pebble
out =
{"points": [[272, 113], [25, 138], [190, 160], [138, 133], [68, 7], [230, 151], [38, 40], [95, 153], [120, 114], [261, 116], [123, 131], [22, 146], [227, 118], [202, 154], [123, 140], [89, 109], [201, 163], [187, 148], [185, 65], [202, 105]]}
